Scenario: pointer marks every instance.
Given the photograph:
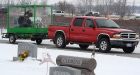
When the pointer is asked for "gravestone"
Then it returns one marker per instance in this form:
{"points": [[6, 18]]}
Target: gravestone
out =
{"points": [[63, 70], [77, 62], [31, 48], [86, 72], [69, 65]]}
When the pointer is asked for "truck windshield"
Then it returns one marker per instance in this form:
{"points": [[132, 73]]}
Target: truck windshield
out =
{"points": [[104, 23]]}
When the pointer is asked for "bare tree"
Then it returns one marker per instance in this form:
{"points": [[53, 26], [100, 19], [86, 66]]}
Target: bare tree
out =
{"points": [[65, 6], [12, 2], [61, 5], [84, 6], [4, 1], [24, 2], [133, 7], [70, 9], [124, 7], [105, 7], [121, 7], [44, 2], [79, 9]]}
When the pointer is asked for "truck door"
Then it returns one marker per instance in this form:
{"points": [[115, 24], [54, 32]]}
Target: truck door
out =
{"points": [[76, 30], [89, 34]]}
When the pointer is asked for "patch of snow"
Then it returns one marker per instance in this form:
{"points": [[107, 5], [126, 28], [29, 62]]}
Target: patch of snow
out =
{"points": [[2, 31], [106, 64], [137, 49]]}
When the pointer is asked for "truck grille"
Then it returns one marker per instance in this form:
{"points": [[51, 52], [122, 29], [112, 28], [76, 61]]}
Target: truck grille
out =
{"points": [[128, 35]]}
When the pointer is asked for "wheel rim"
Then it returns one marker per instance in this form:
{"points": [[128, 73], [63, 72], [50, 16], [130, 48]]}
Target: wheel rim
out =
{"points": [[11, 38], [103, 45], [59, 41]]}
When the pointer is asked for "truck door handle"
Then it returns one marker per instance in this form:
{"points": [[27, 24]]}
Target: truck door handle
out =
{"points": [[72, 30], [83, 30]]}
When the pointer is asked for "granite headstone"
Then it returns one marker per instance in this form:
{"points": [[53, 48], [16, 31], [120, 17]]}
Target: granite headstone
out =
{"points": [[63, 70], [32, 48], [69, 65], [77, 62]]}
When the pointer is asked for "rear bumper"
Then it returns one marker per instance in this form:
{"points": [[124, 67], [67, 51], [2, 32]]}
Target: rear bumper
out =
{"points": [[120, 43]]}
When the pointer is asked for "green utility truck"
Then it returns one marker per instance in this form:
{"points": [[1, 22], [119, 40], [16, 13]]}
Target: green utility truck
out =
{"points": [[27, 22]]}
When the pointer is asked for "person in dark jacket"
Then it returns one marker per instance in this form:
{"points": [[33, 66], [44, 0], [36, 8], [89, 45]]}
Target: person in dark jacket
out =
{"points": [[28, 13], [24, 21]]}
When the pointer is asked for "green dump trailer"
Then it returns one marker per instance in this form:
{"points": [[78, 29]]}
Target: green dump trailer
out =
{"points": [[27, 22]]}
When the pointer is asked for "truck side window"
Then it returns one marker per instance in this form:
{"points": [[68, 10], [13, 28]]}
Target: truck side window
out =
{"points": [[78, 22], [89, 23]]}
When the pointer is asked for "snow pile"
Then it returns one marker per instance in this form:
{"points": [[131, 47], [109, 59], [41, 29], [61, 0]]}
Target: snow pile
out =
{"points": [[106, 64], [137, 49], [2, 31]]}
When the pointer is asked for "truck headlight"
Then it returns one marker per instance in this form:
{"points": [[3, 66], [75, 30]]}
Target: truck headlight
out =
{"points": [[137, 36], [117, 36]]}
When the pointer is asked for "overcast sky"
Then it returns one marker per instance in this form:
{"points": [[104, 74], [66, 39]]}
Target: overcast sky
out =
{"points": [[73, 1]]}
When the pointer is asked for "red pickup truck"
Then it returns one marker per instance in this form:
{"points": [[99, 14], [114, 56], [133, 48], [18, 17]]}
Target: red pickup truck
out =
{"points": [[86, 30]]}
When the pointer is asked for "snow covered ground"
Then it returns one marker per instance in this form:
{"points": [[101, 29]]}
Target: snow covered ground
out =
{"points": [[106, 64]]}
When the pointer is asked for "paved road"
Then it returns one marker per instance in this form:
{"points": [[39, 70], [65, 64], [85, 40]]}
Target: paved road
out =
{"points": [[77, 49]]}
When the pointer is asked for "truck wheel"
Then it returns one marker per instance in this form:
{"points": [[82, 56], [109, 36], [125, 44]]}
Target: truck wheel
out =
{"points": [[38, 41], [128, 49], [60, 41], [83, 46], [104, 45], [12, 39]]}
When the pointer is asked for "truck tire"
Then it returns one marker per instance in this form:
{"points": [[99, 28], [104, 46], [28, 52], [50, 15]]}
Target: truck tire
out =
{"points": [[128, 49], [60, 41], [83, 46], [12, 39], [104, 45], [38, 41]]}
